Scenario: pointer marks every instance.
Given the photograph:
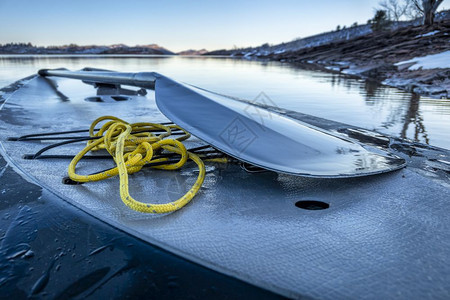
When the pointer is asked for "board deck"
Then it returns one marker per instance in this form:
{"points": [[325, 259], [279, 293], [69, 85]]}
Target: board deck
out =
{"points": [[381, 235]]}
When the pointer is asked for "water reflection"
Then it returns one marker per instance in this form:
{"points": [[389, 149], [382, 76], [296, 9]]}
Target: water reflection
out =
{"points": [[413, 116], [407, 113], [403, 110], [372, 90], [332, 96]]}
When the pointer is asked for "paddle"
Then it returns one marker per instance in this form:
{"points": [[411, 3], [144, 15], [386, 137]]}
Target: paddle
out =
{"points": [[249, 132]]}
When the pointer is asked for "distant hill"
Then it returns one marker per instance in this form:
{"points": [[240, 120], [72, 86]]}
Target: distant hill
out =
{"points": [[193, 52], [23, 48]]}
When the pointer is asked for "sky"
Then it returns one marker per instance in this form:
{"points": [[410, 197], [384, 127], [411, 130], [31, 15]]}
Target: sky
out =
{"points": [[174, 24]]}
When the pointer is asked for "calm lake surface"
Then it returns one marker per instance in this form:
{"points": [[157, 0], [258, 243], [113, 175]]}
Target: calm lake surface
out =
{"points": [[330, 96]]}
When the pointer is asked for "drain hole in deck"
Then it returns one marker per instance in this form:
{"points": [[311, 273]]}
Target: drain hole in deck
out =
{"points": [[312, 205], [120, 98], [94, 99]]}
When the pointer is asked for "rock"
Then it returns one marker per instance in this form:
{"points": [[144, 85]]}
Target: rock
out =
{"points": [[411, 87], [441, 93], [379, 72], [405, 66]]}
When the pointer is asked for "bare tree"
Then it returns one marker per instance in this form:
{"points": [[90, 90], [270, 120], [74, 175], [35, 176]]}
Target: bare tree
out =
{"points": [[396, 9], [412, 9], [428, 9]]}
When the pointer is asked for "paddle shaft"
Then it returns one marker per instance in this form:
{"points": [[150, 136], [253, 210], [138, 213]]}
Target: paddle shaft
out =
{"points": [[144, 80]]}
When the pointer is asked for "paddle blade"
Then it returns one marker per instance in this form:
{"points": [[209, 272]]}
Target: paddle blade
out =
{"points": [[267, 139]]}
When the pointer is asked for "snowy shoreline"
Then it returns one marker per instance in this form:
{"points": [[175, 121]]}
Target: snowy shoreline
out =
{"points": [[427, 75], [408, 56]]}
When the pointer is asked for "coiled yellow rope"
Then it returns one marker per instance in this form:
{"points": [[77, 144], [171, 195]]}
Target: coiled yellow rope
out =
{"points": [[132, 146]]}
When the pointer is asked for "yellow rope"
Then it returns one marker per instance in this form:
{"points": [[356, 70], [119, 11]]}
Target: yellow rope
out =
{"points": [[132, 146]]}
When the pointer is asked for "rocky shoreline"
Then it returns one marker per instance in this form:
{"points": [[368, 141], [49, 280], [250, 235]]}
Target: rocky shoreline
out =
{"points": [[376, 56], [379, 56]]}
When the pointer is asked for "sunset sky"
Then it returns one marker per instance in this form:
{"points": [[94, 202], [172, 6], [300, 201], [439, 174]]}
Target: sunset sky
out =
{"points": [[174, 24]]}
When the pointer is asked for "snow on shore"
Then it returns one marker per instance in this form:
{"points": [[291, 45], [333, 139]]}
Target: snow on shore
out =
{"points": [[432, 61], [428, 34]]}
